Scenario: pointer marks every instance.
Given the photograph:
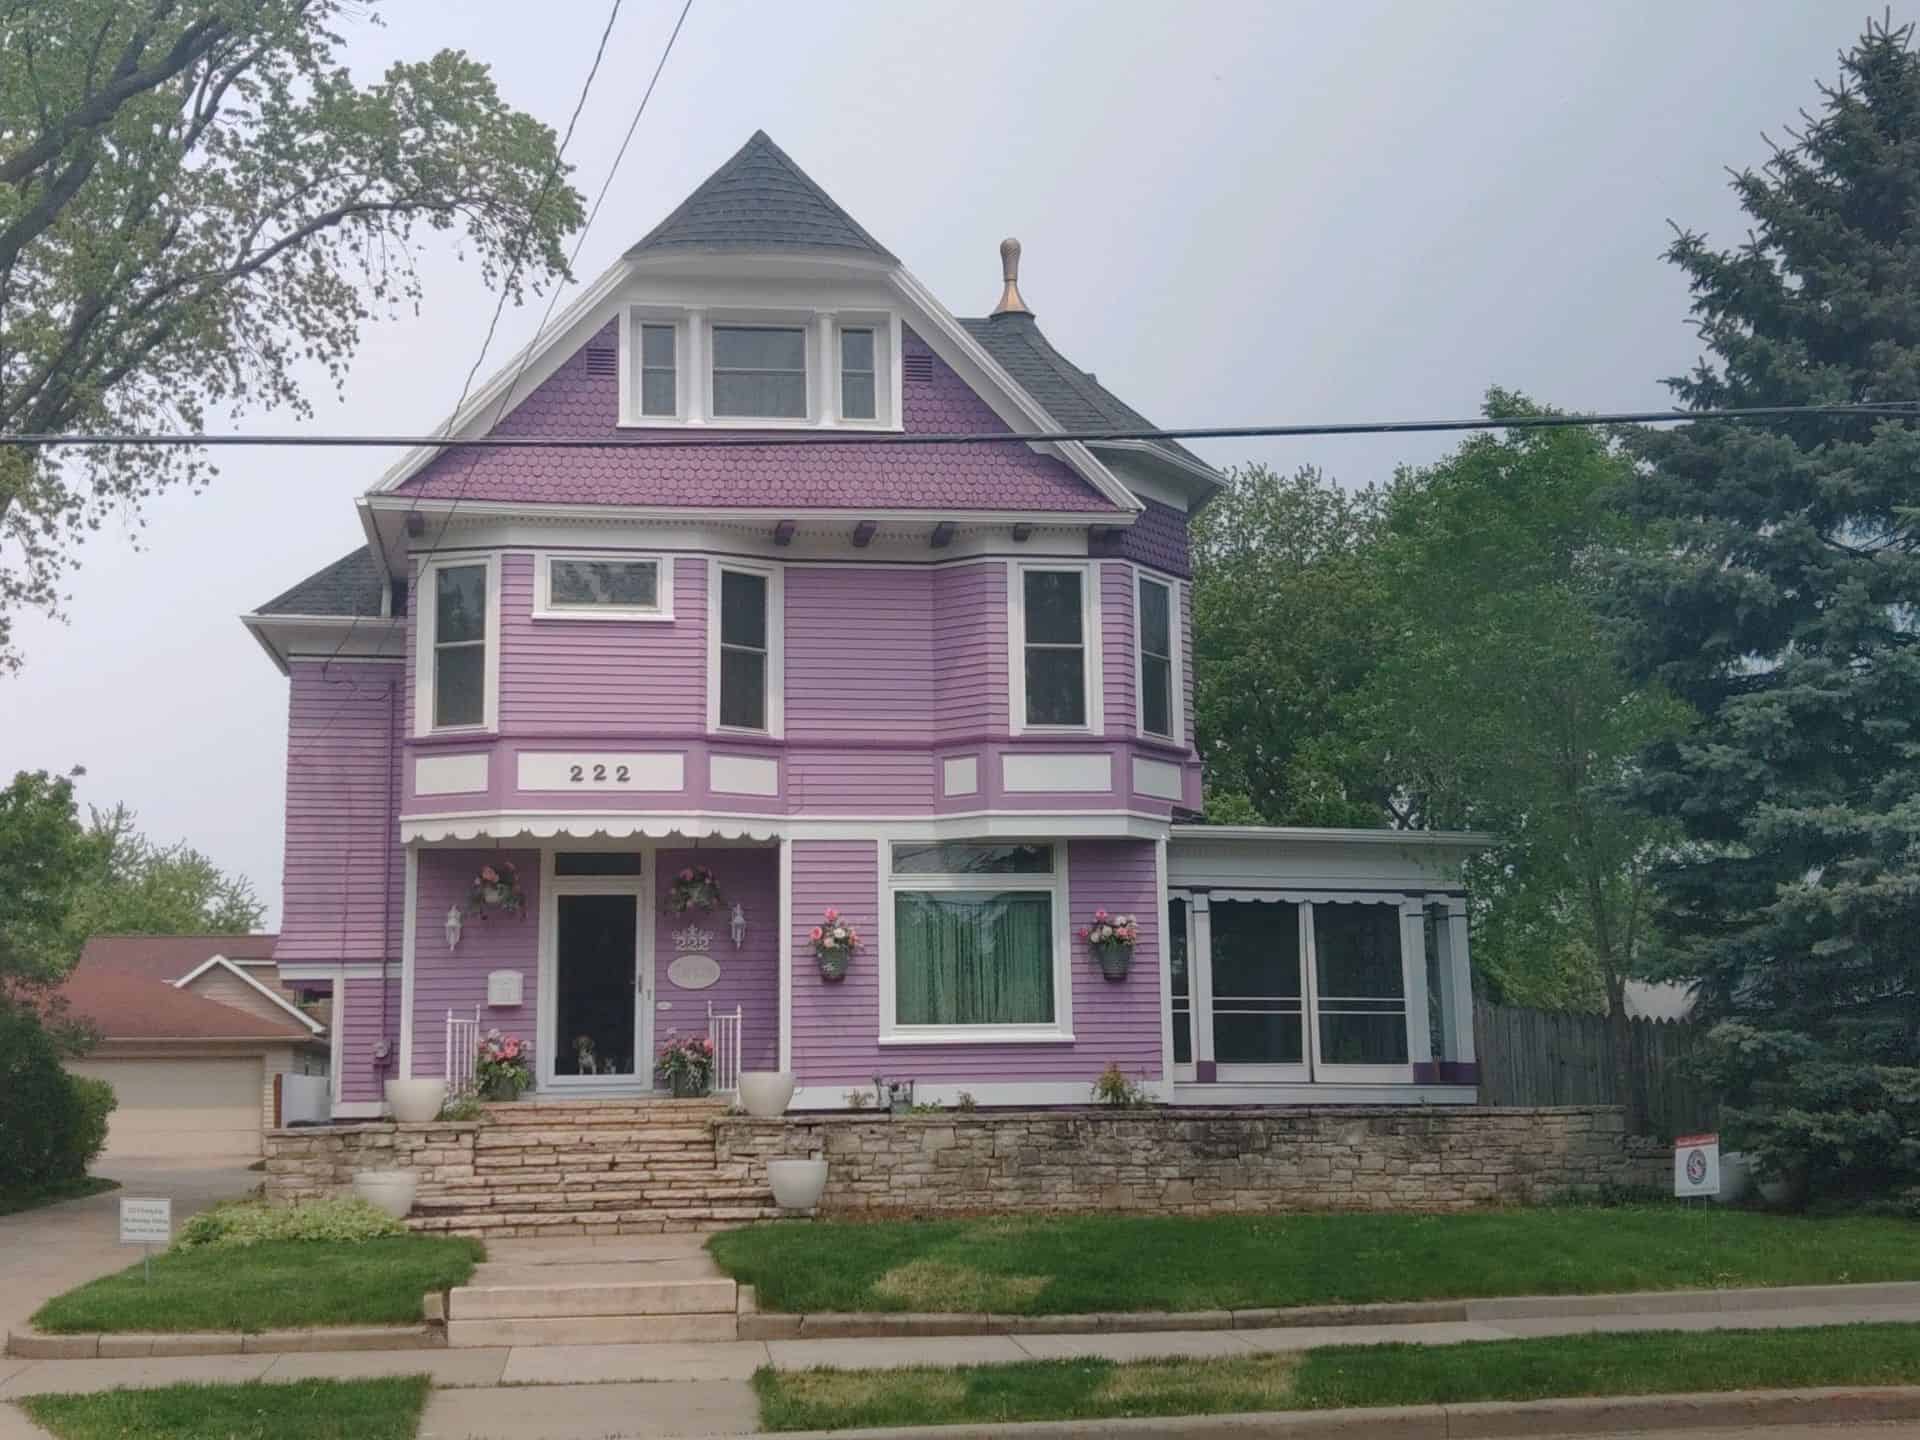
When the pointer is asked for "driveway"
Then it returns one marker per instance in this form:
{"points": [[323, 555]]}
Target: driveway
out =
{"points": [[46, 1251]]}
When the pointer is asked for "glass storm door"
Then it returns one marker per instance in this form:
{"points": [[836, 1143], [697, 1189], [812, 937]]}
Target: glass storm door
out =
{"points": [[597, 1024], [1259, 989], [1180, 966]]}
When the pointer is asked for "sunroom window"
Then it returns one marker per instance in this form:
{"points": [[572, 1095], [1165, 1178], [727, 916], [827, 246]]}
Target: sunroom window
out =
{"points": [[974, 940], [759, 372]]}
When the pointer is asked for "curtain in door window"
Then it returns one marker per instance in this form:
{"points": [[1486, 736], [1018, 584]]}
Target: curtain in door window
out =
{"points": [[973, 957]]}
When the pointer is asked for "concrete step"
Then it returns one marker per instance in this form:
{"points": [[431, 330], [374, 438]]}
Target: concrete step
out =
{"points": [[548, 1301], [616, 1272], [592, 1330]]}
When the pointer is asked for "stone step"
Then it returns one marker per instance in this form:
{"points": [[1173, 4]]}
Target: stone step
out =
{"points": [[695, 1266], [593, 1330], [554, 1301]]}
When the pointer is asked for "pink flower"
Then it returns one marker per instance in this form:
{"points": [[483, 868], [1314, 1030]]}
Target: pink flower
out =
{"points": [[487, 874], [686, 876], [1099, 914], [817, 932], [832, 914]]}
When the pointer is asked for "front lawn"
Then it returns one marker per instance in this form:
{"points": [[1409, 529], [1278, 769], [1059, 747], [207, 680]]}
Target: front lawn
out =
{"points": [[15, 1198], [1342, 1376], [1069, 1264], [306, 1410], [277, 1284]]}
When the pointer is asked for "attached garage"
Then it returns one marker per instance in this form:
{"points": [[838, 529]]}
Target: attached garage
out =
{"points": [[182, 1107], [191, 1035]]}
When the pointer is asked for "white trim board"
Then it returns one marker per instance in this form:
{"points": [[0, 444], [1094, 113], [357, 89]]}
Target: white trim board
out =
{"points": [[314, 1027]]}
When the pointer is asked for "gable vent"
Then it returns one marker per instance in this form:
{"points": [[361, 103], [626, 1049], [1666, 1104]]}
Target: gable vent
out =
{"points": [[603, 360], [916, 369]]}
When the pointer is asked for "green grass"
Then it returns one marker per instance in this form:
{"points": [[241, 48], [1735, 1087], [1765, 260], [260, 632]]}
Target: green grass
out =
{"points": [[1342, 1376], [15, 1198], [274, 1285], [1062, 1265], [307, 1410]]}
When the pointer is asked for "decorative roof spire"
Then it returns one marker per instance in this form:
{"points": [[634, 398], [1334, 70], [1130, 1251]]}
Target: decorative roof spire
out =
{"points": [[1011, 302]]}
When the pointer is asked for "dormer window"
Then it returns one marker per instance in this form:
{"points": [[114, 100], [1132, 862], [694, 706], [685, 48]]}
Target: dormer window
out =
{"points": [[659, 373], [857, 389], [759, 372]]}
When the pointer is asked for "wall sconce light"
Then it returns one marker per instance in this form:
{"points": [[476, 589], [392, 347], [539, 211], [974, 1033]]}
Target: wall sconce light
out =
{"points": [[455, 919], [737, 926]]}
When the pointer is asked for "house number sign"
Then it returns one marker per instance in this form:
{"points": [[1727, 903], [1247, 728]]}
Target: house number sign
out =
{"points": [[557, 770]]}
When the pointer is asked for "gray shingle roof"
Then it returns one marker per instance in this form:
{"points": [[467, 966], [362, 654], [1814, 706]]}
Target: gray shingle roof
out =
{"points": [[760, 200], [1074, 399], [351, 585]]}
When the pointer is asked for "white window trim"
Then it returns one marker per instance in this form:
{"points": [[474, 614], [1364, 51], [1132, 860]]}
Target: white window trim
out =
{"points": [[1090, 634], [776, 647], [545, 609], [426, 622], [1176, 707], [1060, 1031], [693, 365]]}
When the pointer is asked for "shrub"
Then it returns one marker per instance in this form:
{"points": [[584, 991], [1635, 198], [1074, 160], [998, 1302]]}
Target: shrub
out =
{"points": [[52, 1124], [86, 1136], [1115, 1090], [344, 1221]]}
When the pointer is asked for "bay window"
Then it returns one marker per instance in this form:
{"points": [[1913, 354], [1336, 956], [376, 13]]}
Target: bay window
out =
{"points": [[602, 587], [744, 648], [1155, 665], [974, 944], [456, 628], [1055, 658]]}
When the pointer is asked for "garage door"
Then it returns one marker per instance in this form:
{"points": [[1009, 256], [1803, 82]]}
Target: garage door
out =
{"points": [[181, 1107]]}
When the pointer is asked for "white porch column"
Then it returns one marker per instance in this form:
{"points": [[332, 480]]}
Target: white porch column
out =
{"points": [[1200, 982], [409, 913], [1456, 975], [786, 954], [1413, 971]]}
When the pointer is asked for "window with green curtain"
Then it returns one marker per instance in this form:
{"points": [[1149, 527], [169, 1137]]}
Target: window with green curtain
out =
{"points": [[973, 957]]}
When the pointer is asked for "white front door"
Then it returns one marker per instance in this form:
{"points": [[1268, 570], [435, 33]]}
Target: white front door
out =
{"points": [[596, 972]]}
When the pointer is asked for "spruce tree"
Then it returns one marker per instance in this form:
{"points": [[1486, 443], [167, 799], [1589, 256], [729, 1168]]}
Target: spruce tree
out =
{"points": [[1784, 605]]}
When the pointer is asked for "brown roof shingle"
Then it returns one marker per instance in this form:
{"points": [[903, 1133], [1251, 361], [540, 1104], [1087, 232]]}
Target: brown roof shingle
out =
{"points": [[124, 986]]}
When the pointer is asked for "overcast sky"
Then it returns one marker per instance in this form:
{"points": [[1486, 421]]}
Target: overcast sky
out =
{"points": [[1232, 213]]}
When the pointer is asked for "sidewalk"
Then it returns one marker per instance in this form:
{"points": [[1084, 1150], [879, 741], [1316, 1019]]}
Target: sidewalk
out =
{"points": [[653, 1392]]}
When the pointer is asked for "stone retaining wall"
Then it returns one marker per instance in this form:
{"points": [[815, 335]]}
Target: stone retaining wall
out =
{"points": [[1164, 1161], [1186, 1161]]}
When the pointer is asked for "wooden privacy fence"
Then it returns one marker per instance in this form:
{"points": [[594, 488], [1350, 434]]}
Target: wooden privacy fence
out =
{"points": [[1549, 1057]]}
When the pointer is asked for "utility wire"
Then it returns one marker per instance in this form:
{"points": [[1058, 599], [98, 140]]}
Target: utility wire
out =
{"points": [[800, 440]]}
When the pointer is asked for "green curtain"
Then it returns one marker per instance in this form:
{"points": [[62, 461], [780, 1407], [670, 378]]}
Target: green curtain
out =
{"points": [[973, 957]]}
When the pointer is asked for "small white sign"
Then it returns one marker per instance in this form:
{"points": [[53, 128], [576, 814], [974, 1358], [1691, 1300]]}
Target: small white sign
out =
{"points": [[146, 1222], [693, 972], [1696, 1165]]}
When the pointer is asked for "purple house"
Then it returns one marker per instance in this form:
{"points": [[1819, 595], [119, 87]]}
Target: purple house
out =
{"points": [[943, 689]]}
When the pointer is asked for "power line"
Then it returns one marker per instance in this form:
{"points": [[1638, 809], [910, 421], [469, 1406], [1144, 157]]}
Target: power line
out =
{"points": [[802, 439]]}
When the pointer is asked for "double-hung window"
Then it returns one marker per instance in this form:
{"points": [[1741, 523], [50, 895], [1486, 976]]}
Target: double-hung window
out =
{"points": [[457, 641], [975, 943], [760, 372], [1153, 616], [858, 391], [1055, 640], [659, 371], [744, 649], [602, 587]]}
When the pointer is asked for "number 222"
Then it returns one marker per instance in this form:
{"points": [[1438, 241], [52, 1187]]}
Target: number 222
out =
{"points": [[577, 773]]}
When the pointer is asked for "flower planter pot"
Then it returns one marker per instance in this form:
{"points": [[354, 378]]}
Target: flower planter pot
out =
{"points": [[797, 1184], [415, 1102], [764, 1093], [388, 1190], [833, 966], [688, 1087], [1115, 960], [502, 1091]]}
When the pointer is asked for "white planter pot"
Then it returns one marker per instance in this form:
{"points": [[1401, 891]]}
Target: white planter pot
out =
{"points": [[797, 1184], [415, 1102], [764, 1093], [388, 1190]]}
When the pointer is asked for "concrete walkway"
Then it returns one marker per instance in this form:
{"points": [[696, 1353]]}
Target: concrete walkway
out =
{"points": [[683, 1390]]}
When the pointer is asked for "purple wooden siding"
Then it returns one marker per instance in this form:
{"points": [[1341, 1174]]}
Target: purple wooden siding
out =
{"points": [[589, 675], [344, 871], [362, 1076], [749, 976], [1192, 782], [1117, 603], [836, 1023], [457, 980], [970, 650], [860, 654], [860, 781], [574, 401]]}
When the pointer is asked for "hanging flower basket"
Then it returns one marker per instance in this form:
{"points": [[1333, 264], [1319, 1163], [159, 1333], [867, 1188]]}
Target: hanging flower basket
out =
{"points": [[1111, 938], [834, 942], [694, 888], [496, 887]]}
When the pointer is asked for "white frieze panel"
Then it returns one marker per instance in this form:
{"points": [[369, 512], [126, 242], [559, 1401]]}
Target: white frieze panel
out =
{"points": [[743, 775], [961, 775], [450, 774], [1156, 778], [1048, 770], [582, 771]]}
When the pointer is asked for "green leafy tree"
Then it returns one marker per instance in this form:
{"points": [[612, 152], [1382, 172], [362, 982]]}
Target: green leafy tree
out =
{"points": [[46, 859], [1500, 702], [197, 203], [1285, 620], [138, 887], [1782, 605]]}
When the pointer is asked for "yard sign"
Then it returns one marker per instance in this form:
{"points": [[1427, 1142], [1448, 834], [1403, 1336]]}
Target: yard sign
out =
{"points": [[146, 1223], [1696, 1165]]}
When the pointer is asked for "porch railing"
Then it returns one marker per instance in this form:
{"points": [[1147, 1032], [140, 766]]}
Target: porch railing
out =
{"points": [[463, 1044], [723, 1029]]}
